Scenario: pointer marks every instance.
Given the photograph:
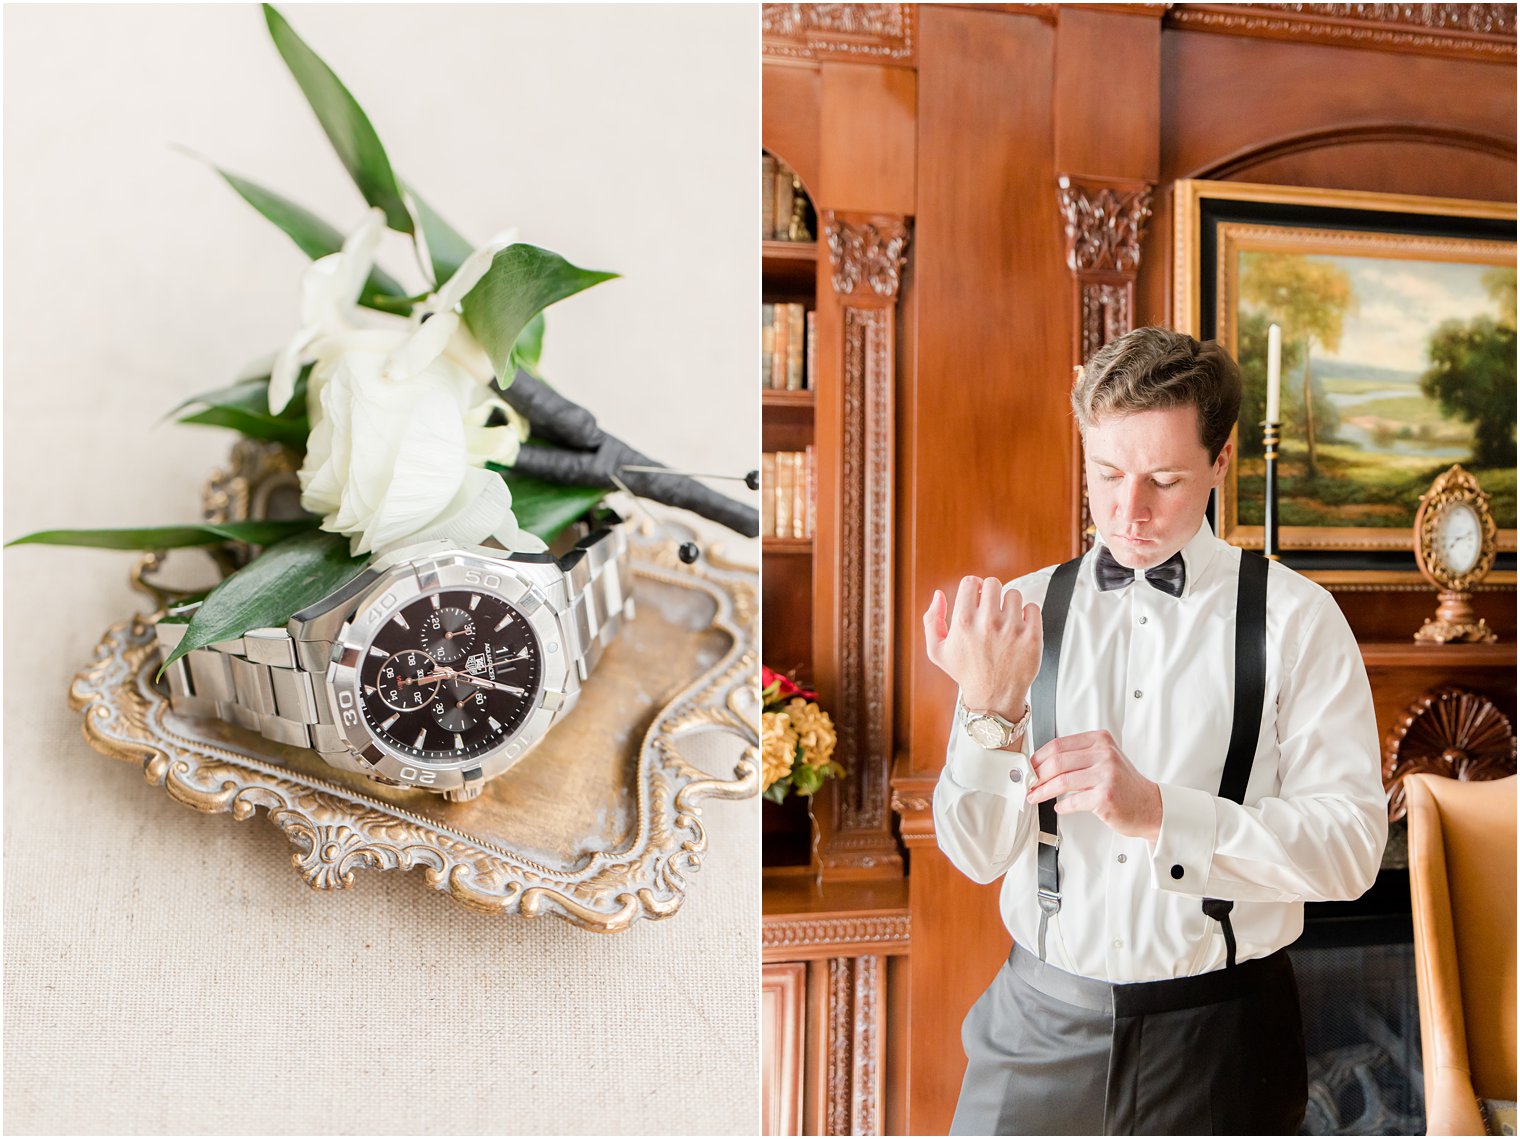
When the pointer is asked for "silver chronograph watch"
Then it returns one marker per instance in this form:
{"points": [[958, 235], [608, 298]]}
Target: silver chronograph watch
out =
{"points": [[436, 668]]}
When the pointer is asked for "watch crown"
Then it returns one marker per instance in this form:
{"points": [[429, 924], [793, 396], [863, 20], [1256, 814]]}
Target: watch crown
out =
{"points": [[464, 794]]}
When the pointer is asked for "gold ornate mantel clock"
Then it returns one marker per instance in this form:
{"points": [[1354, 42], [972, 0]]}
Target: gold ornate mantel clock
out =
{"points": [[1455, 540]]}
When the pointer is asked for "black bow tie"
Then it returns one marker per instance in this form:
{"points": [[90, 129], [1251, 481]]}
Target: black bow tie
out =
{"points": [[1168, 577]]}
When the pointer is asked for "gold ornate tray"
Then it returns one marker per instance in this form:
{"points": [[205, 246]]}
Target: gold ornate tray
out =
{"points": [[601, 825]]}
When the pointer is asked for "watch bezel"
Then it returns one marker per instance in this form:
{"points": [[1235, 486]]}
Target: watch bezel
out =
{"points": [[525, 587]]}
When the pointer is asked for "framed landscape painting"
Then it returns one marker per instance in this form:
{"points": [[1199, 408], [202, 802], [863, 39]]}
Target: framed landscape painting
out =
{"points": [[1398, 357]]}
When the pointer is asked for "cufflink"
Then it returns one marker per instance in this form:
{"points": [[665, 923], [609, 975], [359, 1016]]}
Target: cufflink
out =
{"points": [[1016, 775], [1176, 871]]}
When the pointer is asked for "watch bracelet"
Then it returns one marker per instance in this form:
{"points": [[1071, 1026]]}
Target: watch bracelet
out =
{"points": [[256, 681]]}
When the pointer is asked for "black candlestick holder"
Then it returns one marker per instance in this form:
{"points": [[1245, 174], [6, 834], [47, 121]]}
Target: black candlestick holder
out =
{"points": [[1270, 436]]}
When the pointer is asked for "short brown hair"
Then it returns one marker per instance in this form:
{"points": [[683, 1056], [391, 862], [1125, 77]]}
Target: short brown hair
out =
{"points": [[1153, 369]]}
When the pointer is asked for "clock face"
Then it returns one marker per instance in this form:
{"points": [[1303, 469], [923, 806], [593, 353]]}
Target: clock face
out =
{"points": [[1458, 538], [450, 676]]}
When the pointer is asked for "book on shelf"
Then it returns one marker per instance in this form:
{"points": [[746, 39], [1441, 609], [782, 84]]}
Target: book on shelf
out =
{"points": [[809, 367], [768, 493], [788, 494], [784, 347], [785, 476], [784, 210], [767, 343], [810, 499], [796, 333], [768, 166]]}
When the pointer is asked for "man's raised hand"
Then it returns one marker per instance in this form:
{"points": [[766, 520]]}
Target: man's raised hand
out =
{"points": [[989, 644]]}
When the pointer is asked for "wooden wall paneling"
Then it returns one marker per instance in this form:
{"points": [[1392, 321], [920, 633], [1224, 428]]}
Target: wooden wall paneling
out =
{"points": [[789, 119], [783, 1027], [868, 137], [895, 1047], [852, 623], [1326, 99], [992, 473], [816, 1091]]}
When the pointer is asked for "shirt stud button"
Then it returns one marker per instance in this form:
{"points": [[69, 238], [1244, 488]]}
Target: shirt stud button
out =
{"points": [[1123, 858], [1176, 871], [1137, 694], [1016, 775], [1143, 620], [1118, 943]]}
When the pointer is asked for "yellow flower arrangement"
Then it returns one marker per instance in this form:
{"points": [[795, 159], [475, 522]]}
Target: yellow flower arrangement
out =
{"points": [[797, 739]]}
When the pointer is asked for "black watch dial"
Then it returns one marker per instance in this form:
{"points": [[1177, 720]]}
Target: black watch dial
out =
{"points": [[450, 676]]}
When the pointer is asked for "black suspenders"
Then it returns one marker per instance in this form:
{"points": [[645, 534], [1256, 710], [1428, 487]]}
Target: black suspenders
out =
{"points": [[1250, 690]]}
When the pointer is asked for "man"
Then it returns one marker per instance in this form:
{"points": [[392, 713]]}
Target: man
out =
{"points": [[1150, 885]]}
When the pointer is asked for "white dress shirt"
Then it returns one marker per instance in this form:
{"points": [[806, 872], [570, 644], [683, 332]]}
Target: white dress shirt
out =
{"points": [[1158, 672]]}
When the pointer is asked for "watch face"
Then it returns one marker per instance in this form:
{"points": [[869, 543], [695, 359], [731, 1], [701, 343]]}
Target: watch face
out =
{"points": [[986, 732], [450, 676], [1459, 538]]}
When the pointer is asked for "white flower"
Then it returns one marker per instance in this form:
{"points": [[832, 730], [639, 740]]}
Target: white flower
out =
{"points": [[399, 437]]}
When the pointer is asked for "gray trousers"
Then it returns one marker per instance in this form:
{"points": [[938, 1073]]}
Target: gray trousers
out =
{"points": [[1049, 1053]]}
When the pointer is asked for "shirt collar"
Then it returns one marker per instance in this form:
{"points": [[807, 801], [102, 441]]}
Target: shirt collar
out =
{"points": [[1197, 555]]}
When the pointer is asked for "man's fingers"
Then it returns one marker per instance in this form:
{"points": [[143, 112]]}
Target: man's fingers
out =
{"points": [[1067, 753], [965, 600], [935, 628], [1063, 784]]}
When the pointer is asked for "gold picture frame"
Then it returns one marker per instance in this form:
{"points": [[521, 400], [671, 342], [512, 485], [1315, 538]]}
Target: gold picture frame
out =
{"points": [[1216, 222]]}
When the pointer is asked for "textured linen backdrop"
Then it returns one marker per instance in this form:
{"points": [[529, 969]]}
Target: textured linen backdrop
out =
{"points": [[167, 971]]}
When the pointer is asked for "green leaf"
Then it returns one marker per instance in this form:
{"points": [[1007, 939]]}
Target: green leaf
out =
{"points": [[776, 792], [807, 779], [244, 407], [344, 121], [527, 350], [316, 238], [546, 508], [253, 424], [447, 250], [522, 281], [170, 537], [271, 589]]}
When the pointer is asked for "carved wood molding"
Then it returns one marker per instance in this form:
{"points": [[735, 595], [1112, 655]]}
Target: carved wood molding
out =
{"points": [[857, 1009], [865, 250], [880, 933], [872, 250], [1104, 221], [862, 33], [1464, 31], [1451, 732]]}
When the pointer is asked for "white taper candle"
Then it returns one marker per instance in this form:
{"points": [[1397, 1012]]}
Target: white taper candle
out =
{"points": [[1274, 374]]}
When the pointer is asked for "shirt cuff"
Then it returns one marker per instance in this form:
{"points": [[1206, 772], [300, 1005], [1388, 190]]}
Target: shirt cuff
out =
{"points": [[997, 772], [1184, 850]]}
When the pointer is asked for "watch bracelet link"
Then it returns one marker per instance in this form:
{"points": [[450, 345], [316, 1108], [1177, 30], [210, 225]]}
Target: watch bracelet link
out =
{"points": [[257, 682]]}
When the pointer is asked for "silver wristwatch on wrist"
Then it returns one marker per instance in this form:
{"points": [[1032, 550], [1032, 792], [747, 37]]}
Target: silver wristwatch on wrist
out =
{"points": [[990, 730], [436, 668]]}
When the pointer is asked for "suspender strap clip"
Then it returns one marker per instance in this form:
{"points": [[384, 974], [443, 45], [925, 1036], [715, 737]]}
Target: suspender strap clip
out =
{"points": [[1219, 909]]}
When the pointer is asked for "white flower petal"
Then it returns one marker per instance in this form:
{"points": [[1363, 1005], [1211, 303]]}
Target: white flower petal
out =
{"points": [[425, 345]]}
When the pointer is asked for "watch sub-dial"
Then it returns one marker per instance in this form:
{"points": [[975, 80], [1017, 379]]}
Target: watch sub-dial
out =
{"points": [[456, 705], [400, 683], [448, 634]]}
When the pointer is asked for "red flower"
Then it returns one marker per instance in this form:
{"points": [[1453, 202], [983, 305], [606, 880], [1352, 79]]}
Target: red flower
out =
{"points": [[775, 686]]}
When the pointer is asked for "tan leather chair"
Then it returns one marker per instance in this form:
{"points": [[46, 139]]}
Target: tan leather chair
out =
{"points": [[1462, 878]]}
